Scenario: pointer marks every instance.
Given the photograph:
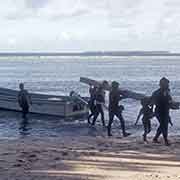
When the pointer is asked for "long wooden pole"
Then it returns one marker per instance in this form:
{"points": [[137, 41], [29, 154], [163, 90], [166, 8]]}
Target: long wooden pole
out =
{"points": [[127, 93]]}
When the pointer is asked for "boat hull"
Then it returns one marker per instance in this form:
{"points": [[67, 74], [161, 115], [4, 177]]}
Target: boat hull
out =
{"points": [[62, 106]]}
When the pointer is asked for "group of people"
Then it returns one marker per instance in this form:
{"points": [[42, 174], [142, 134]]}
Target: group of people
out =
{"points": [[157, 105]]}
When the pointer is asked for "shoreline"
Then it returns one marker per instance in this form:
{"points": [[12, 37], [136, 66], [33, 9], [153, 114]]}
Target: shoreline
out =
{"points": [[82, 157]]}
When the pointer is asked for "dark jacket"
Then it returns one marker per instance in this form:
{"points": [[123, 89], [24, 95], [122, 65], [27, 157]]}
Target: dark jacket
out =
{"points": [[162, 100], [23, 99], [114, 97], [100, 98]]}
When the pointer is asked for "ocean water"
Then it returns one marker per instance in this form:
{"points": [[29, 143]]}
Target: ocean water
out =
{"points": [[60, 75]]}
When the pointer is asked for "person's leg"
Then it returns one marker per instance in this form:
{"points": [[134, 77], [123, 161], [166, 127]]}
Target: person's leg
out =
{"points": [[93, 110], [164, 128], [102, 115], [90, 104], [24, 113], [96, 114], [159, 131], [90, 115], [120, 117], [111, 117], [145, 125], [24, 121], [149, 126]]}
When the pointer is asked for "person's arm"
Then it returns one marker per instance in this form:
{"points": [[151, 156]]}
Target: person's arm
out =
{"points": [[169, 97], [173, 104], [170, 102], [122, 95], [170, 122], [19, 100], [139, 115], [29, 98], [153, 99]]}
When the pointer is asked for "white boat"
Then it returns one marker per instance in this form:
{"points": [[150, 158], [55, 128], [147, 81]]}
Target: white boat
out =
{"points": [[63, 106]]}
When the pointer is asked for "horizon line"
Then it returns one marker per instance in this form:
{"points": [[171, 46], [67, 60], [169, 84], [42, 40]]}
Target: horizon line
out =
{"points": [[92, 53]]}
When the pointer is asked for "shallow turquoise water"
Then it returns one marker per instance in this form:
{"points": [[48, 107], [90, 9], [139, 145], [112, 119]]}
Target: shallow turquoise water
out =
{"points": [[61, 75]]}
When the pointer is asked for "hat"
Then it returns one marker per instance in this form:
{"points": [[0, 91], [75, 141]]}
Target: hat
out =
{"points": [[115, 84], [164, 80]]}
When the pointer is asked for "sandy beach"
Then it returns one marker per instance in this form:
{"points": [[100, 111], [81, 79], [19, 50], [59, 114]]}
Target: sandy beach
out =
{"points": [[60, 59], [88, 158]]}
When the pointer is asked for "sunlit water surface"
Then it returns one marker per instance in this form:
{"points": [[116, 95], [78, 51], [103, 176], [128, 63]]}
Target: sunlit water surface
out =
{"points": [[60, 75]]}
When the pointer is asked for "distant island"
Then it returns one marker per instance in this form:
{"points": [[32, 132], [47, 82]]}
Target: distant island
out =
{"points": [[91, 53]]}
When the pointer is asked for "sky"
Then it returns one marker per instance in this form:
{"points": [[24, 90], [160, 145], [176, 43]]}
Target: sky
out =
{"points": [[89, 25]]}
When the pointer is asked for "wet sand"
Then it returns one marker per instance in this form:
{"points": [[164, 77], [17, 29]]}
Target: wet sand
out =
{"points": [[88, 158]]}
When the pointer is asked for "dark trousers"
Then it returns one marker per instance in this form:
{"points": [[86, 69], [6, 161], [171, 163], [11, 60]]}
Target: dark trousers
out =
{"points": [[25, 111], [92, 108], [99, 110], [147, 127], [163, 126], [117, 113]]}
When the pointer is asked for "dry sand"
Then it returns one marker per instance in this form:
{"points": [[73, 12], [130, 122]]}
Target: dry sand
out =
{"points": [[88, 158]]}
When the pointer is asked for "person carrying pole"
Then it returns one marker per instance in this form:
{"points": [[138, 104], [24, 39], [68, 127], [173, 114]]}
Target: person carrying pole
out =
{"points": [[162, 100], [115, 96], [99, 103]]}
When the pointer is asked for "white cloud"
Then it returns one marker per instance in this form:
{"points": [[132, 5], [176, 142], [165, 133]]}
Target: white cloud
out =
{"points": [[89, 24]]}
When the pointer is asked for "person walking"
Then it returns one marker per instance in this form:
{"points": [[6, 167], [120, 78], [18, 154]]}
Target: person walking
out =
{"points": [[147, 112], [115, 96], [99, 103], [162, 100]]}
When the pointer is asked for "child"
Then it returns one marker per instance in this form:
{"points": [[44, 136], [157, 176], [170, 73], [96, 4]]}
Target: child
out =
{"points": [[24, 100], [147, 112]]}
